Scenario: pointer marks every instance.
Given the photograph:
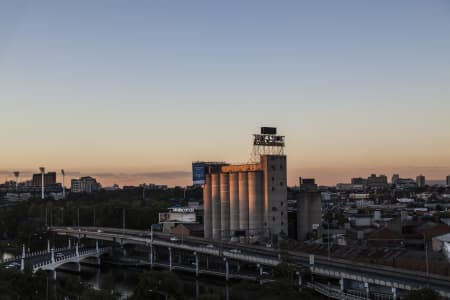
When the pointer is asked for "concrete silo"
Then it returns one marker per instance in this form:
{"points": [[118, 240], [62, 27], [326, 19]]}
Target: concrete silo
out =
{"points": [[207, 207], [225, 205], [234, 202], [243, 201], [256, 202], [215, 203]]}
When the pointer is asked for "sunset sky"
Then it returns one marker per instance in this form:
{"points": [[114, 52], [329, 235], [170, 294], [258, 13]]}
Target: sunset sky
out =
{"points": [[134, 91]]}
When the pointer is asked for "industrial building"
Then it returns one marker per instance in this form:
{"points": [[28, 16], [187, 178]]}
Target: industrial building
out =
{"points": [[191, 214], [309, 208], [247, 202]]}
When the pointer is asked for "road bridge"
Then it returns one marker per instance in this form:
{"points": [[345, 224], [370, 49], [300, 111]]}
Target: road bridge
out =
{"points": [[371, 277]]}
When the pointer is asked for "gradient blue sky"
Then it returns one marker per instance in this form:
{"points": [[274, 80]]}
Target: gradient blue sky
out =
{"points": [[136, 90]]}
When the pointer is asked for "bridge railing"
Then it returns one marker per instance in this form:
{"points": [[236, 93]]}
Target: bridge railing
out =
{"points": [[34, 254], [70, 258], [335, 293], [252, 258]]}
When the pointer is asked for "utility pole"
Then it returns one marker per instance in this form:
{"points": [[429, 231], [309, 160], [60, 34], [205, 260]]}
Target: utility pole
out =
{"points": [[426, 259], [42, 169], [63, 185], [328, 239], [123, 220], [16, 175]]}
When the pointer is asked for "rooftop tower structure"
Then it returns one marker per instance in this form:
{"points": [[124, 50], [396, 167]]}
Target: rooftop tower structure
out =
{"points": [[267, 142]]}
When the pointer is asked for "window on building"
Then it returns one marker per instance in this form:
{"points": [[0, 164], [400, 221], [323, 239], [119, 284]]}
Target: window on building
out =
{"points": [[274, 208]]}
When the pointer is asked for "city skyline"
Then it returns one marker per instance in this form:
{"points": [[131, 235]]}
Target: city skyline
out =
{"points": [[129, 91], [184, 177]]}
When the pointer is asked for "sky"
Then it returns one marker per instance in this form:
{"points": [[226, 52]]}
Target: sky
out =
{"points": [[134, 91]]}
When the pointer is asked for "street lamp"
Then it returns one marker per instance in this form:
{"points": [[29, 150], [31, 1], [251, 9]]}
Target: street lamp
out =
{"points": [[16, 175], [426, 258], [63, 184], [42, 169]]}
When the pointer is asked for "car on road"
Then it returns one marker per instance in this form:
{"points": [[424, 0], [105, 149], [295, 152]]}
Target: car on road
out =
{"points": [[99, 231], [174, 239], [13, 265], [59, 255], [235, 251], [211, 246]]}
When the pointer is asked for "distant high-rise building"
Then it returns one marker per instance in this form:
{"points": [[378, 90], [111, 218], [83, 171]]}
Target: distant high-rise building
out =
{"points": [[377, 182], [309, 208], [395, 178], [49, 179], [359, 181], [84, 185], [420, 181]]}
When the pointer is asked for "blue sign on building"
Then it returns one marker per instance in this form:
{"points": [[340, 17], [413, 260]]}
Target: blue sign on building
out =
{"points": [[198, 173]]}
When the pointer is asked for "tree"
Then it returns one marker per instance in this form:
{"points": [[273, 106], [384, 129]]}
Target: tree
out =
{"points": [[91, 294], [423, 294], [153, 284]]}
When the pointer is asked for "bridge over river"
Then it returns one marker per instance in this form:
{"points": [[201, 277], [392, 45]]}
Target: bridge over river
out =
{"points": [[232, 260]]}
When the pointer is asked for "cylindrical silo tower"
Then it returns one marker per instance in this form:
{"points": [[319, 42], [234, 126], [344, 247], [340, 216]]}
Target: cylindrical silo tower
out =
{"points": [[215, 203], [256, 202], [207, 209], [243, 201], [234, 202], [225, 205]]}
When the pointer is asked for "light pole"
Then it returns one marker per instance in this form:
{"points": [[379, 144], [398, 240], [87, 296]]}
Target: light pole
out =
{"points": [[63, 185], [42, 169], [426, 258], [16, 175], [123, 220]]}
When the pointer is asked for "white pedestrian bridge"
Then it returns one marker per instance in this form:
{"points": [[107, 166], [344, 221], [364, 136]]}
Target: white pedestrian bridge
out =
{"points": [[74, 257]]}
